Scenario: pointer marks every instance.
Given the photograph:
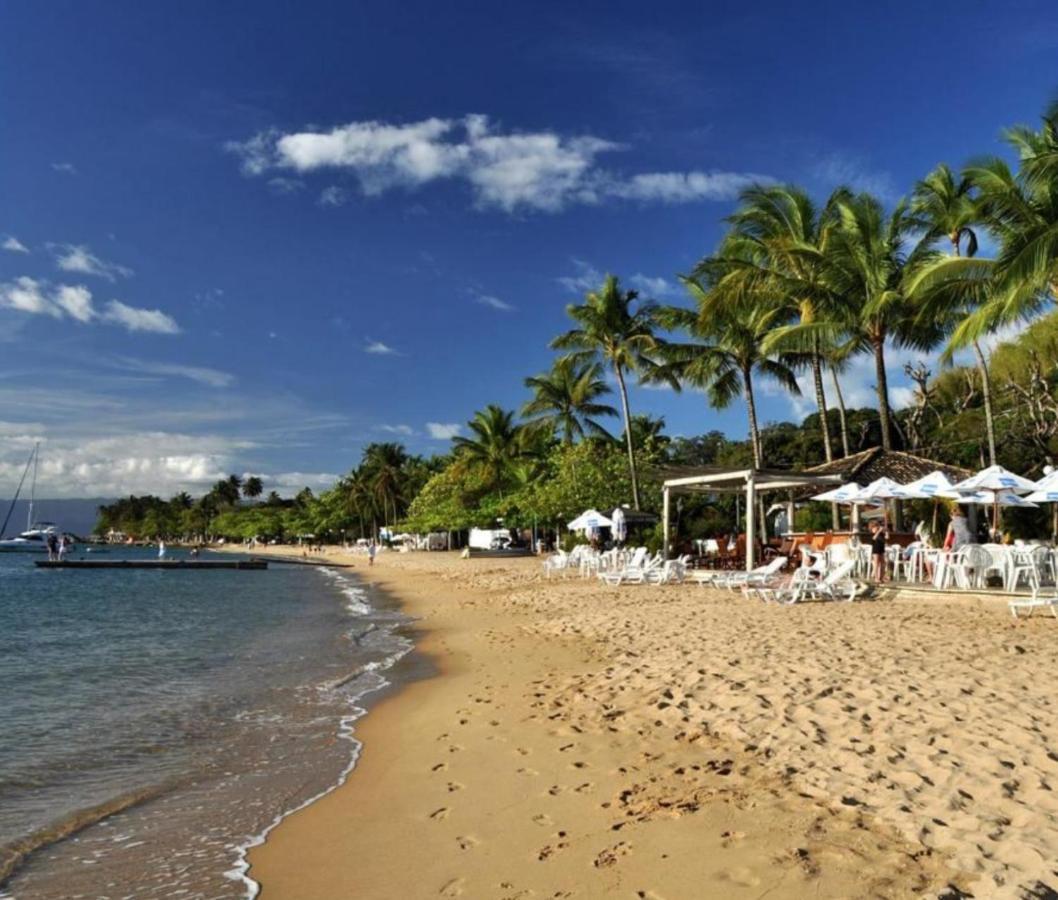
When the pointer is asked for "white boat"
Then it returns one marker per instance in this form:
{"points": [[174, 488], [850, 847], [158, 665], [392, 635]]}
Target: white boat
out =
{"points": [[32, 540], [35, 538]]}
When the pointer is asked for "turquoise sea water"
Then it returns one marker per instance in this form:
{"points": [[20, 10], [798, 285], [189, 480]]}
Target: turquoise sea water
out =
{"points": [[201, 704]]}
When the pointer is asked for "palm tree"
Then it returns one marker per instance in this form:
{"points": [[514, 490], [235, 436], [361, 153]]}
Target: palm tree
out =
{"points": [[726, 352], [616, 331], [566, 399], [382, 466], [869, 265], [252, 487], [494, 445], [946, 208], [777, 249]]}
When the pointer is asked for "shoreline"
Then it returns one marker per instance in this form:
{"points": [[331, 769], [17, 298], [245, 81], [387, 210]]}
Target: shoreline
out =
{"points": [[508, 775]]}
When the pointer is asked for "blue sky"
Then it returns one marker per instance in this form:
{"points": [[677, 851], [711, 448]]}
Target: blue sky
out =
{"points": [[253, 237]]}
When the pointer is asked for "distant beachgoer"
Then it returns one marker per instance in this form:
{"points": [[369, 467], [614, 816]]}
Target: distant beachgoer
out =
{"points": [[53, 546], [371, 553], [161, 549], [877, 551], [958, 535], [64, 543], [194, 552]]}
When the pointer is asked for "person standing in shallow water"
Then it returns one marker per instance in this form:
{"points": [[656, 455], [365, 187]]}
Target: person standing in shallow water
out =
{"points": [[371, 553], [161, 549]]}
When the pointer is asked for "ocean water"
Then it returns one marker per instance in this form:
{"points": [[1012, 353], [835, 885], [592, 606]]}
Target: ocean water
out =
{"points": [[153, 724]]}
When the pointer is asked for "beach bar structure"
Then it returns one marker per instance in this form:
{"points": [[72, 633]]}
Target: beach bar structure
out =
{"points": [[751, 482]]}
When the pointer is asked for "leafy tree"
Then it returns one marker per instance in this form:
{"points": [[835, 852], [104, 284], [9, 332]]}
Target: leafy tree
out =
{"points": [[566, 399], [253, 487], [494, 445], [615, 330]]}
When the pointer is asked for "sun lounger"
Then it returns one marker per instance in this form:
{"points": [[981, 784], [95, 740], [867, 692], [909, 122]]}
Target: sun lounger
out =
{"points": [[758, 577], [838, 585], [1035, 602]]}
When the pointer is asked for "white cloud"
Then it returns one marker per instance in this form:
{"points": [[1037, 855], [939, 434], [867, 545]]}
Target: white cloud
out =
{"points": [[76, 302], [686, 187], [200, 374], [74, 258], [333, 196], [511, 171], [403, 430], [378, 348], [136, 319], [13, 245], [839, 168], [494, 302], [28, 295], [65, 167], [585, 278], [654, 287], [281, 185], [291, 483], [443, 431]]}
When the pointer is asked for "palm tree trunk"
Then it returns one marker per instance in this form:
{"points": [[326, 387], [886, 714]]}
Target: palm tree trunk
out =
{"points": [[821, 405], [628, 435], [884, 413], [986, 392], [751, 407], [841, 412]]}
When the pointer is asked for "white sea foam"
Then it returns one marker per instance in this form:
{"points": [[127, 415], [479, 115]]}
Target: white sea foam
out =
{"points": [[357, 605]]}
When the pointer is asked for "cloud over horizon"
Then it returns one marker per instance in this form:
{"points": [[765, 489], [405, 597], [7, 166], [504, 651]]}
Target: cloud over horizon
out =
{"points": [[538, 171], [29, 295]]}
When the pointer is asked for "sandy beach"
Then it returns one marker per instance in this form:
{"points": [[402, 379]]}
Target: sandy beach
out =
{"points": [[680, 742]]}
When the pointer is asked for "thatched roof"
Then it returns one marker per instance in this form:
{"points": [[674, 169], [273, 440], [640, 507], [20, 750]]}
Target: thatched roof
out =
{"points": [[903, 468]]}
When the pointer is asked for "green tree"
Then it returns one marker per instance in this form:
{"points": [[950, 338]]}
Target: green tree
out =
{"points": [[617, 331], [566, 399], [253, 487], [494, 445]]}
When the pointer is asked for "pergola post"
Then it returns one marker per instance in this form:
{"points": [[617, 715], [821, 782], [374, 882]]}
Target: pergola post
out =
{"points": [[751, 514], [665, 521]]}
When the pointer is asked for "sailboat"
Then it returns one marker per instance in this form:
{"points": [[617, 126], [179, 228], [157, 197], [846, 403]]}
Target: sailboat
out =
{"points": [[35, 538]]}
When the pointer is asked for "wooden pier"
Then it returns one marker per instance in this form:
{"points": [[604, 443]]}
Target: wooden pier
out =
{"points": [[317, 562], [166, 564]]}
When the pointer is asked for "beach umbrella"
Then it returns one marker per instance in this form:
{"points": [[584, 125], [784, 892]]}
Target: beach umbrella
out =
{"points": [[998, 479], [620, 525], [935, 484], [590, 518], [990, 498], [881, 490], [844, 493]]}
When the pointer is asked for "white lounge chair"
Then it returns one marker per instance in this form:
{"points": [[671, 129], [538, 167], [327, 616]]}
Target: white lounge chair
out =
{"points": [[837, 585], [635, 572], [1035, 602], [758, 577]]}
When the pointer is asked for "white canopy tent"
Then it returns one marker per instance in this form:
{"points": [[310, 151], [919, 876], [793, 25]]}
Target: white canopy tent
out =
{"points": [[736, 481]]}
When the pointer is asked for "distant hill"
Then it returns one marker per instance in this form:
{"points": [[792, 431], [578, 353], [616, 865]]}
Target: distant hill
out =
{"points": [[77, 516]]}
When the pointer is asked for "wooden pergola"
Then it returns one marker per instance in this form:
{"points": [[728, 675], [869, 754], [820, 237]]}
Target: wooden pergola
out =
{"points": [[698, 480]]}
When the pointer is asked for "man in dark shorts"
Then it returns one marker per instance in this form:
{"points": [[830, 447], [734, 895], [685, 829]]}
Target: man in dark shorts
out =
{"points": [[877, 551]]}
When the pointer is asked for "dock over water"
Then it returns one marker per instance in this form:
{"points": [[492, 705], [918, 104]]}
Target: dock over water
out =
{"points": [[177, 564]]}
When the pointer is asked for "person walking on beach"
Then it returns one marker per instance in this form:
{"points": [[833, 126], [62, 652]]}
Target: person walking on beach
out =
{"points": [[371, 553], [877, 551]]}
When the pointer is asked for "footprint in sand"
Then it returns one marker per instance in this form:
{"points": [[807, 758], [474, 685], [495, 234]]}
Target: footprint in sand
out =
{"points": [[547, 852], [649, 895], [467, 842], [543, 819], [529, 772], [453, 888], [440, 767], [439, 814], [611, 855], [454, 786]]}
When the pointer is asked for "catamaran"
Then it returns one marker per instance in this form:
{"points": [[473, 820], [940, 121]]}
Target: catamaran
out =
{"points": [[35, 538]]}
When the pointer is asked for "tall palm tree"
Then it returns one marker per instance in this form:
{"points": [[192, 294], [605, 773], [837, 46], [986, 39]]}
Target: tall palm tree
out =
{"points": [[869, 264], [946, 207], [615, 330], [494, 444], [725, 354], [252, 487], [781, 239], [565, 399], [383, 468]]}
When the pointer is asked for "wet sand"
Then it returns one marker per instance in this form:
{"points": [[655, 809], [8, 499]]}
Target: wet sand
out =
{"points": [[679, 742]]}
